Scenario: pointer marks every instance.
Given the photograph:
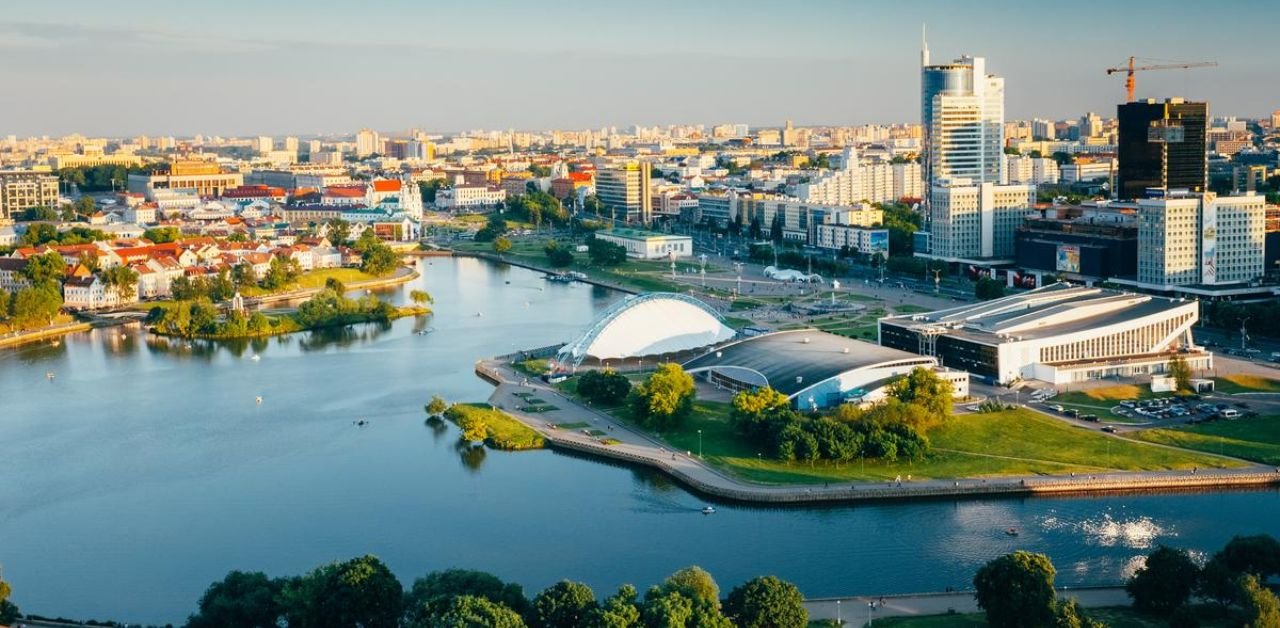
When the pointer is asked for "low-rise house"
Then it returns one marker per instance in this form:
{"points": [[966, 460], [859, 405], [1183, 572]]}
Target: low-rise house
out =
{"points": [[12, 278]]}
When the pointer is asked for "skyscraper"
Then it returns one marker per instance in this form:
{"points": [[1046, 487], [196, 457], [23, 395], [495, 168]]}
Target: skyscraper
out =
{"points": [[1162, 146], [625, 190], [962, 116]]}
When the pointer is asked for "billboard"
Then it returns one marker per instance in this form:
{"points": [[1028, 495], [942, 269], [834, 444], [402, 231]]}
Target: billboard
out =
{"points": [[878, 241], [1209, 249], [1068, 259]]}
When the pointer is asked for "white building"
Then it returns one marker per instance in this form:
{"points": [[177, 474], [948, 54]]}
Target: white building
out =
{"points": [[854, 182], [1101, 170], [1201, 240], [141, 214], [1058, 334], [470, 197], [647, 244], [1021, 169], [972, 222]]}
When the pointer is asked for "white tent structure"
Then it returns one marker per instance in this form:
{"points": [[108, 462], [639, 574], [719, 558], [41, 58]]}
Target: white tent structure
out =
{"points": [[655, 323]]}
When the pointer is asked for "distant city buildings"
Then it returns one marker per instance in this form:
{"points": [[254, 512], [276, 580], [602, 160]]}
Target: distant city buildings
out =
{"points": [[20, 191]]}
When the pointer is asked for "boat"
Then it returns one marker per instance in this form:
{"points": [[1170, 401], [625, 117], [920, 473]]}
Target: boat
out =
{"points": [[258, 399], [1012, 532], [559, 278], [423, 332], [255, 357], [709, 510], [49, 375]]}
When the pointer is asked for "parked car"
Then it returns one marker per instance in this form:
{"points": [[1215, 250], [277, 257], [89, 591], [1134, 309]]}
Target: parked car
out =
{"points": [[1110, 429], [1092, 418]]}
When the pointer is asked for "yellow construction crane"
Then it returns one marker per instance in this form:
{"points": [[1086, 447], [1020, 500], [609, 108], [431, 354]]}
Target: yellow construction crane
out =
{"points": [[1130, 83]]}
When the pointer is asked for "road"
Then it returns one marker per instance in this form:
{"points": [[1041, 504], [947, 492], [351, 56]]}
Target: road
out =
{"points": [[859, 610]]}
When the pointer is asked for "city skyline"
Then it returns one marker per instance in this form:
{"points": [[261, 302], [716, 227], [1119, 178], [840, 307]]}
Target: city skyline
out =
{"points": [[453, 66]]}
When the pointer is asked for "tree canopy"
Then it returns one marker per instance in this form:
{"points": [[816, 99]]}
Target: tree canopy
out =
{"points": [[358, 592], [1016, 590], [766, 602], [1165, 582], [240, 599], [666, 398]]}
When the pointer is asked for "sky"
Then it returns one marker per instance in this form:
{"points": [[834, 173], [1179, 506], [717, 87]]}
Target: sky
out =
{"points": [[277, 67]]}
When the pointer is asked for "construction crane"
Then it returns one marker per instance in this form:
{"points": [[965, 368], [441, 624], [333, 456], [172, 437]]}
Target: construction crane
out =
{"points": [[1130, 83]]}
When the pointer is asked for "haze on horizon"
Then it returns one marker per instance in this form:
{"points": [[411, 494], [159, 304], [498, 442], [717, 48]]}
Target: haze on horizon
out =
{"points": [[297, 67]]}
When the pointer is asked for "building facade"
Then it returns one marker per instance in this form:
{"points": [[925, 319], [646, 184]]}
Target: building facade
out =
{"points": [[1162, 146], [20, 191], [625, 190], [971, 222], [1201, 240]]}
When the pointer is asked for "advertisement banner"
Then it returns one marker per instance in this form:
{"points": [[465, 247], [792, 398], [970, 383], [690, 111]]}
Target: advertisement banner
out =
{"points": [[878, 241], [1210, 247], [1068, 258]]}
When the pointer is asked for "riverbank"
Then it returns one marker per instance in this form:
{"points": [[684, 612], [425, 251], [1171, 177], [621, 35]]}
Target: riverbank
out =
{"points": [[524, 263], [614, 440], [857, 610], [402, 274], [44, 333]]}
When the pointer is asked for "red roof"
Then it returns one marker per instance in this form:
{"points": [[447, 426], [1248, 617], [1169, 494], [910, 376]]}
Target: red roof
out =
{"points": [[345, 192], [579, 177], [386, 185]]}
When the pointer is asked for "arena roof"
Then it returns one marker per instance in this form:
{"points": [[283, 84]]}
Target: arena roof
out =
{"points": [[1054, 310], [792, 361], [641, 325]]}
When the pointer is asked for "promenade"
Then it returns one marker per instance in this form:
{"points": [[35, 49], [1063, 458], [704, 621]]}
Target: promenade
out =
{"points": [[858, 610], [633, 446]]}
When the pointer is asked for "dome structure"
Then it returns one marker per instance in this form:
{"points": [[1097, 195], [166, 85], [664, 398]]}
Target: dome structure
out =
{"points": [[642, 325]]}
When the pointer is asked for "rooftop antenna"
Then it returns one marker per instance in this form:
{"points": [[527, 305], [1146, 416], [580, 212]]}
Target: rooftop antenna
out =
{"points": [[924, 44]]}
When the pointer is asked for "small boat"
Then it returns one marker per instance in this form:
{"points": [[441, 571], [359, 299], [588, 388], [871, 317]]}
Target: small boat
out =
{"points": [[479, 314], [49, 375], [708, 510], [255, 357], [258, 399], [1012, 532]]}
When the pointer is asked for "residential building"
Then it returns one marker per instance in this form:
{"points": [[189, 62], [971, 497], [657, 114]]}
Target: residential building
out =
{"points": [[625, 190], [263, 144], [1162, 146], [367, 143], [1086, 171], [23, 190], [205, 178], [470, 197]]}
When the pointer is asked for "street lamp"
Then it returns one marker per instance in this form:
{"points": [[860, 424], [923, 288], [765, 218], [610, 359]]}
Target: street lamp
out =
{"points": [[699, 443], [839, 622]]}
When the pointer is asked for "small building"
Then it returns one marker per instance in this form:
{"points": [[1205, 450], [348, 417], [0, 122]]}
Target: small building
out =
{"points": [[648, 244]]}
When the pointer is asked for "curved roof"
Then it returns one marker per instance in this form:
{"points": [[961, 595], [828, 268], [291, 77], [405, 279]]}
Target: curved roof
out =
{"points": [[649, 324], [793, 361]]}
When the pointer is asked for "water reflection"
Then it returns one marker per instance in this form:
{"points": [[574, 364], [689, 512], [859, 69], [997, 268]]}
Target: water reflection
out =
{"points": [[437, 426], [342, 337], [471, 454]]}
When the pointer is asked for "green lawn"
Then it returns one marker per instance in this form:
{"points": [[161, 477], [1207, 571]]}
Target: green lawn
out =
{"points": [[1233, 384], [504, 432], [1256, 439]]}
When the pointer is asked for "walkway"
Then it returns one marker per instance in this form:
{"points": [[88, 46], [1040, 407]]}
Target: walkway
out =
{"points": [[636, 447], [856, 611]]}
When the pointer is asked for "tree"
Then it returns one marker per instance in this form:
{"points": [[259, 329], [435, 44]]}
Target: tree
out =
{"points": [[1261, 607], [469, 611], [5, 299], [45, 270], [240, 599], [924, 388], [501, 245], [666, 397], [339, 231], [334, 284], [428, 189], [1016, 590], [40, 213], [694, 583], [40, 233], [987, 288], [1180, 371], [36, 305], [1258, 555], [436, 406], [666, 611], [379, 260], [1165, 582], [563, 605], [1067, 614], [161, 235], [606, 386], [8, 610], [753, 411], [605, 253], [619, 610], [359, 592], [431, 596], [123, 280], [1218, 582], [243, 275], [281, 272], [557, 255], [767, 602], [421, 297], [473, 427]]}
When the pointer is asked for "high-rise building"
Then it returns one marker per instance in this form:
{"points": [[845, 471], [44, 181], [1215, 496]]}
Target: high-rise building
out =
{"points": [[1090, 125], [21, 190], [962, 114], [367, 143], [263, 144], [291, 144], [625, 191], [1044, 129], [1201, 239], [977, 221], [1162, 146], [1275, 120]]}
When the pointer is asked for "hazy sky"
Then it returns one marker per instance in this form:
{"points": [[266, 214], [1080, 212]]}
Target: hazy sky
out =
{"points": [[318, 66]]}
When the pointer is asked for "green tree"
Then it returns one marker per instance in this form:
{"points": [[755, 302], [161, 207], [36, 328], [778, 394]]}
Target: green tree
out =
{"points": [[5, 299], [379, 260], [923, 387], [436, 406], [501, 245], [564, 604], [1016, 590], [473, 427], [37, 305], [243, 275], [754, 411], [421, 297], [1165, 582], [40, 213], [605, 253], [359, 592], [666, 397], [428, 189], [45, 270], [162, 235], [1180, 371], [619, 610], [339, 231], [85, 206], [431, 596], [40, 233], [281, 272], [240, 599], [8, 610], [605, 386], [1258, 555], [123, 280], [1260, 605], [694, 583], [469, 611], [666, 611], [1068, 614], [1218, 582], [766, 602], [987, 288]]}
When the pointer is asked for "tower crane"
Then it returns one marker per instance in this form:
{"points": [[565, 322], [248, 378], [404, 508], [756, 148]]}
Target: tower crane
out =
{"points": [[1130, 83]]}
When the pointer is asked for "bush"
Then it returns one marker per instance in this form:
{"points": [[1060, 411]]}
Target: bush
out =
{"points": [[605, 387]]}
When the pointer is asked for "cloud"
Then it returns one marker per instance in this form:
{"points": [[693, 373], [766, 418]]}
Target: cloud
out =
{"points": [[45, 35]]}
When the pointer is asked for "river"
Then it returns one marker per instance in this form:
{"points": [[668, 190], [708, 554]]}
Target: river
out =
{"points": [[146, 469]]}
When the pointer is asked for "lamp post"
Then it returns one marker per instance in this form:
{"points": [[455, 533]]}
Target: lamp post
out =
{"points": [[699, 444], [839, 622]]}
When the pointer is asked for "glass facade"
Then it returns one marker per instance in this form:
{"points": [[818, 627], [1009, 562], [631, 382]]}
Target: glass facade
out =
{"points": [[1161, 145]]}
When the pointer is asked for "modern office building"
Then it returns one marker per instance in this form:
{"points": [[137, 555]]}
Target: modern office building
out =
{"points": [[962, 115], [625, 190], [1162, 146], [972, 221], [1078, 247], [1201, 240], [23, 190], [1058, 334]]}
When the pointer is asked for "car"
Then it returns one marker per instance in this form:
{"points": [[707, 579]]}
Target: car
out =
{"points": [[1110, 429], [1056, 408], [1073, 413], [1128, 403], [1092, 418]]}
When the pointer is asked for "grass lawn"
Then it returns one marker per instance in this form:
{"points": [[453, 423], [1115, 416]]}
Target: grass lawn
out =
{"points": [[1256, 439], [1232, 384], [1112, 616], [504, 432]]}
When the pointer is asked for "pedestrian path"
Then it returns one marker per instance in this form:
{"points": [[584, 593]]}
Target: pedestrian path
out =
{"points": [[860, 610]]}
